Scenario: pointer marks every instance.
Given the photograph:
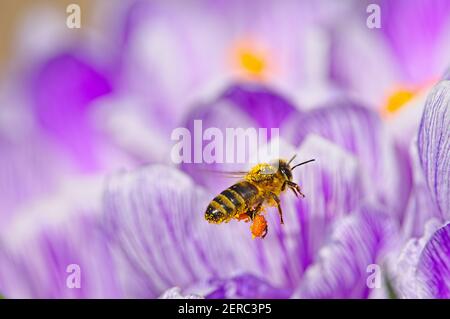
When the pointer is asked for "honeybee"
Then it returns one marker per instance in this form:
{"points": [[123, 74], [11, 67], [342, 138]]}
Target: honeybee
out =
{"points": [[259, 188]]}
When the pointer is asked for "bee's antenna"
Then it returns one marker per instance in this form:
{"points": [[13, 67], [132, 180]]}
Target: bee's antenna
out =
{"points": [[302, 163], [293, 157]]}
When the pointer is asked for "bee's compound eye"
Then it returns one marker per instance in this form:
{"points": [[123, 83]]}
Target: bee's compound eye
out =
{"points": [[286, 173], [213, 215], [289, 175]]}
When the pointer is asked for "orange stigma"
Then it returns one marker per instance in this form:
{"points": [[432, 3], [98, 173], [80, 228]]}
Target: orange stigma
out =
{"points": [[250, 60]]}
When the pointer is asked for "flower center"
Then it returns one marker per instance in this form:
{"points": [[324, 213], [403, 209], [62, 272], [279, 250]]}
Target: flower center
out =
{"points": [[250, 60]]}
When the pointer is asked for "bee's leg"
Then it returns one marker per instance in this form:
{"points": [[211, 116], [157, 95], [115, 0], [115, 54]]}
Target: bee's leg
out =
{"points": [[280, 211], [245, 217], [292, 189], [254, 211], [295, 188], [265, 232]]}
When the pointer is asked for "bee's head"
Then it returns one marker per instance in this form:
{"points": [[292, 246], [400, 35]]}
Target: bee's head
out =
{"points": [[285, 168]]}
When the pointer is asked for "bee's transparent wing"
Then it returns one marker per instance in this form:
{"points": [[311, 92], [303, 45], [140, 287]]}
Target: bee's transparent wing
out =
{"points": [[230, 174]]}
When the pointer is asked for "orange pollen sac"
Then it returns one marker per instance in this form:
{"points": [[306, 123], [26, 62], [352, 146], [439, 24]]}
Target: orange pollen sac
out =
{"points": [[259, 226]]}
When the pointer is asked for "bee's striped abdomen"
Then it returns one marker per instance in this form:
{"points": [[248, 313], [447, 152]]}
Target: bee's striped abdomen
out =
{"points": [[245, 190], [232, 200]]}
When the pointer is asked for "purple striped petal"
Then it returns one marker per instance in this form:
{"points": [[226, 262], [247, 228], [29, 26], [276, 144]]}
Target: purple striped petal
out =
{"points": [[242, 286], [360, 132], [63, 91], [433, 268], [44, 249], [152, 216], [333, 186], [357, 241], [175, 293], [422, 267], [434, 145], [421, 206]]}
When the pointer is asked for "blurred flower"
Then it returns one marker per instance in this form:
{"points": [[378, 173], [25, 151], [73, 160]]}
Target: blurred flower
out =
{"points": [[387, 67], [63, 91], [178, 53]]}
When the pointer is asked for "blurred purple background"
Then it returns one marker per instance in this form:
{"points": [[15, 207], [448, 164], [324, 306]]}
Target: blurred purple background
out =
{"points": [[86, 176]]}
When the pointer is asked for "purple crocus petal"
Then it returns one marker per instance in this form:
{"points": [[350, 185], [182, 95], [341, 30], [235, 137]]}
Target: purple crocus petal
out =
{"points": [[433, 269], [360, 132], [357, 241], [434, 145], [265, 107], [45, 248], [421, 206], [421, 269], [446, 75], [24, 173], [354, 48], [241, 286], [333, 186], [63, 91], [175, 293], [240, 106]]}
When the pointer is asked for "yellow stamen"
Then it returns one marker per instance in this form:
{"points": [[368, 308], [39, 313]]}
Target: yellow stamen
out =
{"points": [[398, 99], [250, 60]]}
